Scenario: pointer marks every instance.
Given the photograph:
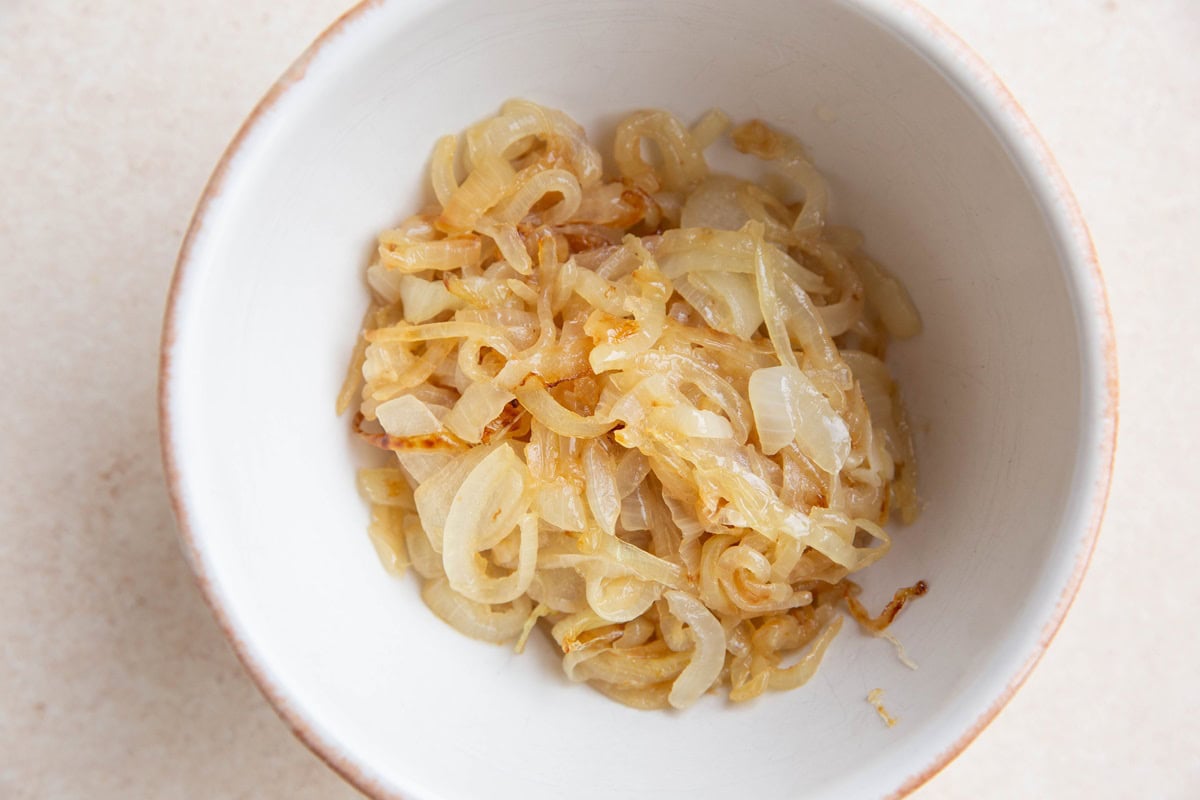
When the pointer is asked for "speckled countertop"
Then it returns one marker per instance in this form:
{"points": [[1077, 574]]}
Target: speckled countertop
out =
{"points": [[115, 681]]}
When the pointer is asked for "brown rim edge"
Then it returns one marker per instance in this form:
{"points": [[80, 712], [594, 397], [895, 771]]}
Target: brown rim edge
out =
{"points": [[983, 73], [342, 764]]}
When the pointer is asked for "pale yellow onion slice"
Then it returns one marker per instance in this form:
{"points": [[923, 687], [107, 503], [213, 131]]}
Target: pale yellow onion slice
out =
{"points": [[816, 195], [755, 138], [619, 557], [568, 630], [878, 392], [477, 620], [386, 532], [769, 300], [386, 487], [684, 250], [799, 673], [765, 207], [787, 407], [518, 205], [788, 311], [561, 590], [488, 181], [489, 335], [637, 632], [407, 416], [632, 469], [425, 560], [614, 348], [510, 243], [889, 298], [689, 370], [744, 574], [674, 633], [423, 300], [519, 120], [441, 169], [409, 256], [620, 598], [436, 494], [710, 127], [727, 301], [600, 470], [685, 420], [480, 404], [558, 504], [841, 315], [714, 204], [548, 411], [385, 283], [708, 655], [683, 163], [600, 293], [492, 501], [644, 666], [711, 591]]}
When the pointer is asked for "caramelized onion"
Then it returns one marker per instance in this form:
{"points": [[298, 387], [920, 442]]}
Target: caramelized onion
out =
{"points": [[651, 412]]}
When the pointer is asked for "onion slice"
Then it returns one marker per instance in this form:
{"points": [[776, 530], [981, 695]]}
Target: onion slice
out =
{"points": [[788, 407], [708, 655], [490, 503]]}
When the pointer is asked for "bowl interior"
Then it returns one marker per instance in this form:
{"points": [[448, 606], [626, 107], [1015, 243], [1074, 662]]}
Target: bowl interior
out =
{"points": [[271, 298]]}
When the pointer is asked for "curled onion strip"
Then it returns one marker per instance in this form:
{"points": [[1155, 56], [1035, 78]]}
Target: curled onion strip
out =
{"points": [[477, 620], [799, 673], [546, 182], [441, 169], [491, 501], [708, 656], [683, 163], [548, 411]]}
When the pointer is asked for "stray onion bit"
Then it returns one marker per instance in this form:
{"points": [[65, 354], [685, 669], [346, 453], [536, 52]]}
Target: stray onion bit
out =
{"points": [[875, 698], [539, 611], [651, 409], [901, 653], [878, 624]]}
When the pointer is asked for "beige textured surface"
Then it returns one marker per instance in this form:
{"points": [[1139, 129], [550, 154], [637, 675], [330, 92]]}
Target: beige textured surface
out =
{"points": [[114, 680]]}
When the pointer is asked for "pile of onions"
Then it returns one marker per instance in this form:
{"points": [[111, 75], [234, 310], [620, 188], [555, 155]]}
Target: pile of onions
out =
{"points": [[651, 411]]}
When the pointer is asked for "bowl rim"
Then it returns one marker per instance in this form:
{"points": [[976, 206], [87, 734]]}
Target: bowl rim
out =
{"points": [[964, 68]]}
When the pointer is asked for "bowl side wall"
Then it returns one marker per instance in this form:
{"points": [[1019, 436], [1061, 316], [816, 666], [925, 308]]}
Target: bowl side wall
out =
{"points": [[272, 296]]}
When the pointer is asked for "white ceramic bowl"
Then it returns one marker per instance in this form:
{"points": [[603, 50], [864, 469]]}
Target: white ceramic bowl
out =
{"points": [[1011, 387]]}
